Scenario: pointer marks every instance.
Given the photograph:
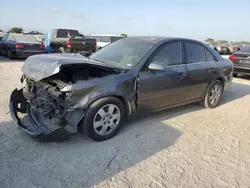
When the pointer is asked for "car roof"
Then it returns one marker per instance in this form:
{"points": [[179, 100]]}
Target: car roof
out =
{"points": [[156, 39]]}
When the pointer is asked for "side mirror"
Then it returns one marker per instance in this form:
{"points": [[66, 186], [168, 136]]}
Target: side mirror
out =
{"points": [[157, 66]]}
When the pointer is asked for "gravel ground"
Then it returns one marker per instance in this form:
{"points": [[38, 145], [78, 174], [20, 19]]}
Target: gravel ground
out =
{"points": [[184, 147]]}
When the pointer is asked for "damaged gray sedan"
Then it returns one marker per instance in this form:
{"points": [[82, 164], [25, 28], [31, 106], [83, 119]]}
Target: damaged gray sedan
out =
{"points": [[65, 93]]}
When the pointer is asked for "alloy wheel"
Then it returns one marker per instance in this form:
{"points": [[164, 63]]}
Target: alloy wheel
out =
{"points": [[106, 119], [215, 94]]}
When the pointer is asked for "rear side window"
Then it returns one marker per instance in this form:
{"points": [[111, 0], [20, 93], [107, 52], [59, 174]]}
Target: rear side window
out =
{"points": [[209, 56], [194, 52], [73, 32], [62, 33], [169, 54], [10, 37]]}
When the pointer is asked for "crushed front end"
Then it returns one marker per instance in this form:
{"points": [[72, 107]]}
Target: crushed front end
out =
{"points": [[39, 109], [56, 94]]}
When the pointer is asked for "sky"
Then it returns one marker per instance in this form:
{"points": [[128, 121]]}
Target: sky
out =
{"points": [[197, 19]]}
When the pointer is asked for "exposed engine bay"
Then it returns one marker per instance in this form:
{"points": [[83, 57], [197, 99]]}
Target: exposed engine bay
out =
{"points": [[47, 99], [75, 73]]}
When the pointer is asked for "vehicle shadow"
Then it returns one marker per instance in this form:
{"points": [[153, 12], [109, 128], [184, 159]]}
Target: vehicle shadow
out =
{"points": [[81, 162], [235, 91], [245, 77], [4, 59]]}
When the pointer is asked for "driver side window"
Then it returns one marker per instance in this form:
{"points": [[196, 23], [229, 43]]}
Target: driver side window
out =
{"points": [[169, 54]]}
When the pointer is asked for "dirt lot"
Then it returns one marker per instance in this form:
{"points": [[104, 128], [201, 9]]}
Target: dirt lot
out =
{"points": [[183, 147]]}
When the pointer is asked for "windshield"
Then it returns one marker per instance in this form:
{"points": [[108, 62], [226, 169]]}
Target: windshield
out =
{"points": [[123, 53]]}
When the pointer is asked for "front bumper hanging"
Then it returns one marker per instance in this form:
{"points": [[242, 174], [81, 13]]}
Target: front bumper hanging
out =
{"points": [[28, 122]]}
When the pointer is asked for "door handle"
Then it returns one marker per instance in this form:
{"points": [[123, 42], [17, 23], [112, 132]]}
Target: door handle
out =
{"points": [[182, 75], [211, 71]]}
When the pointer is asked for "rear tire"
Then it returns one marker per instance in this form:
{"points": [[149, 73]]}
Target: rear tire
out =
{"points": [[213, 95], [235, 75], [10, 55], [99, 127]]}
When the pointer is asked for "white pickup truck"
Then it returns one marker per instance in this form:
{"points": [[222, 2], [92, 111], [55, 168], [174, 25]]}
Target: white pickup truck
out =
{"points": [[105, 39]]}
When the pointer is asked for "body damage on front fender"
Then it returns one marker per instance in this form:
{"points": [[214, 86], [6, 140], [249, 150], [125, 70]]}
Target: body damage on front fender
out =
{"points": [[84, 93], [60, 101]]}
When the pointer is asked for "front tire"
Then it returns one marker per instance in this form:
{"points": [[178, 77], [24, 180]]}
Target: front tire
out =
{"points": [[213, 95], [104, 118]]}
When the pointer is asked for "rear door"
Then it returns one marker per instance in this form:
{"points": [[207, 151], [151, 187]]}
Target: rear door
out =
{"points": [[201, 67], [159, 89]]}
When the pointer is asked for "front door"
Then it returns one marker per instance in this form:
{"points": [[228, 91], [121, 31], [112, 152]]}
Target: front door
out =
{"points": [[158, 89]]}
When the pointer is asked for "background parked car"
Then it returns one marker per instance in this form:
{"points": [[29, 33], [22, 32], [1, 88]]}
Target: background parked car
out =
{"points": [[105, 39], [1, 37], [39, 37], [241, 60], [240, 46], [221, 48], [68, 41], [209, 44], [233, 47], [20, 46]]}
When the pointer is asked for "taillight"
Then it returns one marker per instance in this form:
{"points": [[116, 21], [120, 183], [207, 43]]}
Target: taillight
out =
{"points": [[68, 44], [42, 46], [19, 46], [233, 58]]}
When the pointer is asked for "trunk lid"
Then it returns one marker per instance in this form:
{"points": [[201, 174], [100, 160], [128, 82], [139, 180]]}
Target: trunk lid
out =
{"points": [[244, 58], [32, 46]]}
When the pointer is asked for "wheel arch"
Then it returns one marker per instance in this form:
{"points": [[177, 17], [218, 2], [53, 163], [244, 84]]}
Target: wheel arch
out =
{"points": [[127, 106], [126, 103], [222, 80]]}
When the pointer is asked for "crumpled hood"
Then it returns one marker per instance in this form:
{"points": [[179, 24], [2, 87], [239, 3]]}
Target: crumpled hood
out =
{"points": [[39, 67]]}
